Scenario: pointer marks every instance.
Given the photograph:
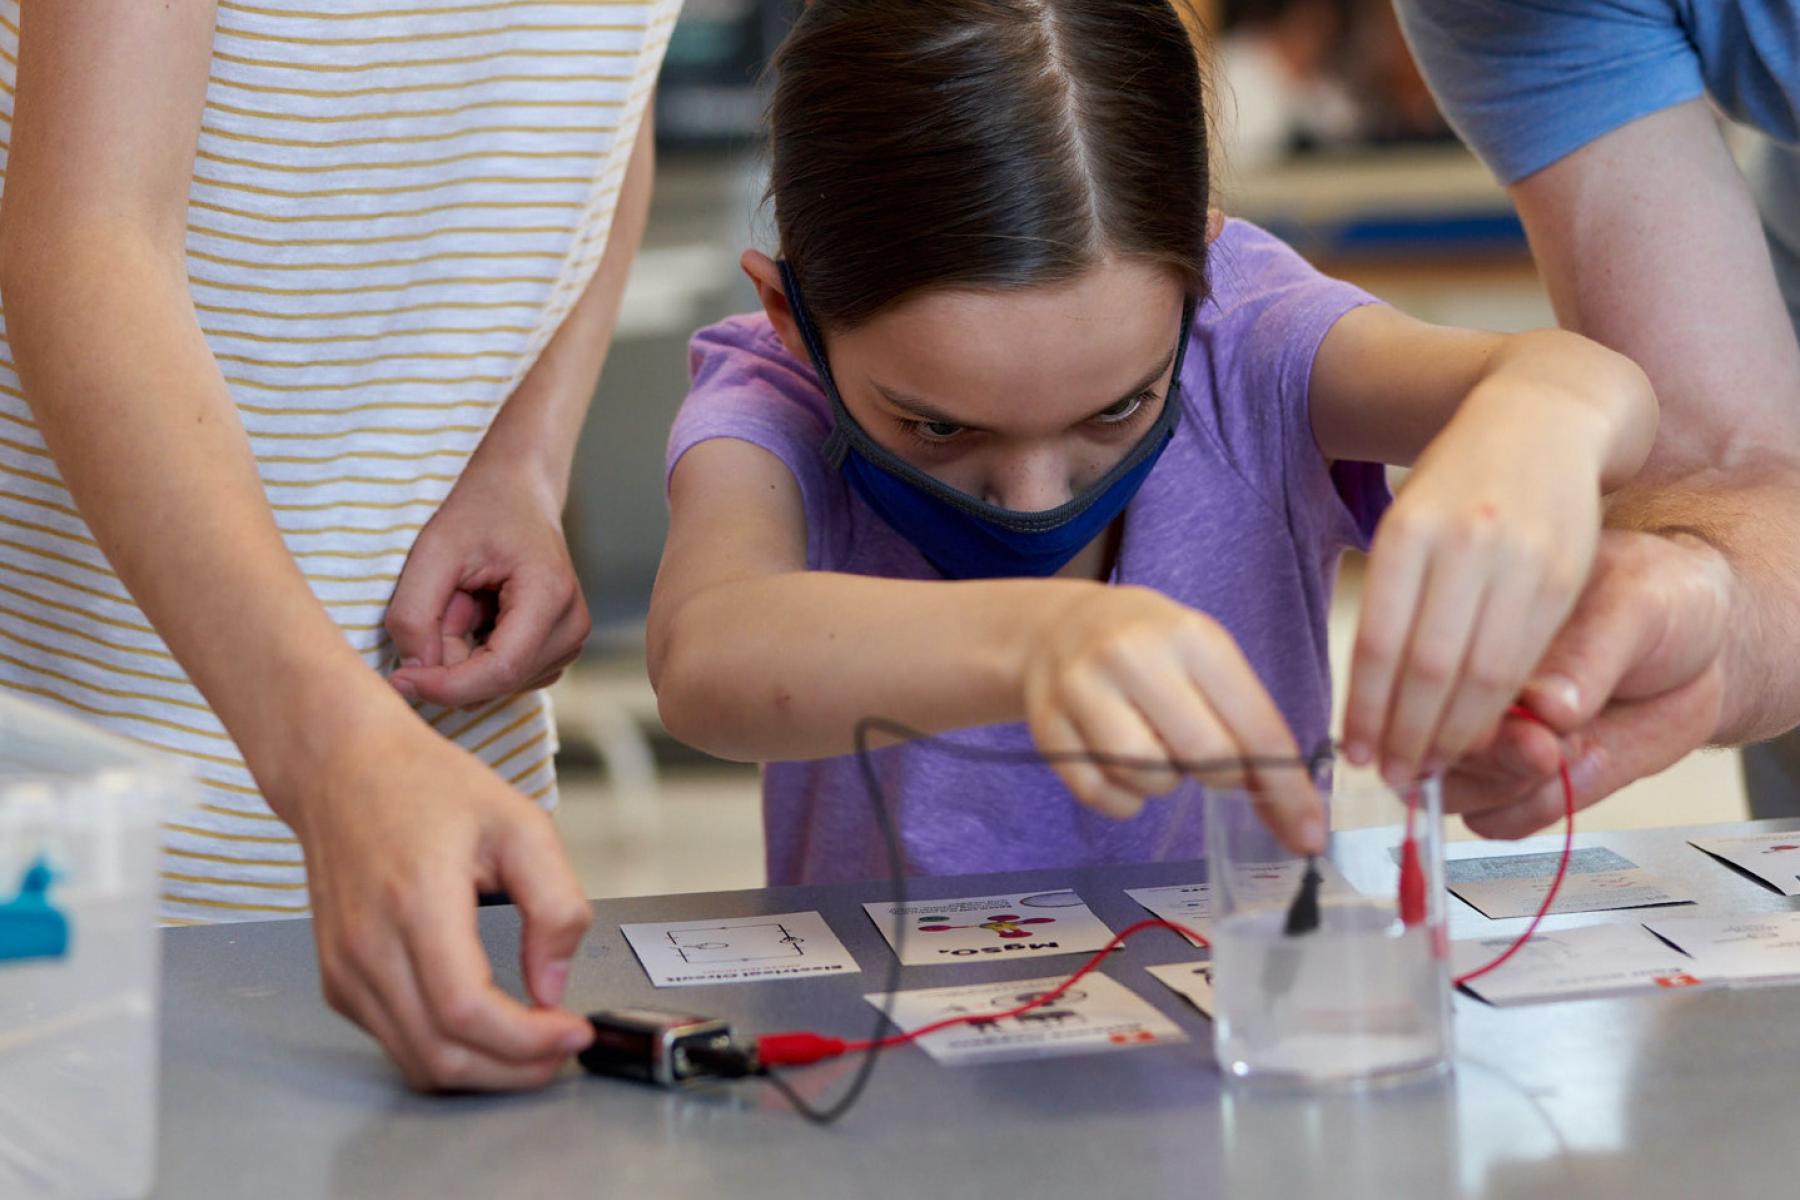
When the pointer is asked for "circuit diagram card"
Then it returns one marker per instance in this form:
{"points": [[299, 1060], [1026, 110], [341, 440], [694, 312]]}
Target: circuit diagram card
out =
{"points": [[1191, 904], [738, 949], [1193, 982], [1513, 885], [1572, 964], [1773, 858], [1098, 1013], [1025, 925], [1758, 948]]}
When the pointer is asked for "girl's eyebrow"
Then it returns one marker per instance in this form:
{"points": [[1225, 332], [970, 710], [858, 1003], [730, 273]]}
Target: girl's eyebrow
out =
{"points": [[925, 411]]}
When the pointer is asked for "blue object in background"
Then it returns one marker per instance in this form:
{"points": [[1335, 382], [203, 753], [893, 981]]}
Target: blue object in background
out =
{"points": [[30, 925]]}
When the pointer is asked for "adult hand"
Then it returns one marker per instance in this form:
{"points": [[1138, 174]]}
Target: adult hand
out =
{"points": [[1127, 672], [400, 834], [1631, 684], [487, 604]]}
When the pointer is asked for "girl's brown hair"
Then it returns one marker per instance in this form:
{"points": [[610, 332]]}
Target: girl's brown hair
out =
{"points": [[984, 144]]}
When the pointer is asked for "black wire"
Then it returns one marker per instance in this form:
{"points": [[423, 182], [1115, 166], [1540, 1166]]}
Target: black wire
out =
{"points": [[890, 837]]}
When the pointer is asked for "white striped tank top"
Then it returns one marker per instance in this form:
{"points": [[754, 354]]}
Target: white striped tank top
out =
{"points": [[395, 203]]}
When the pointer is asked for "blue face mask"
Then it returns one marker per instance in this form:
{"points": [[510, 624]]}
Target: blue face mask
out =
{"points": [[960, 535]]}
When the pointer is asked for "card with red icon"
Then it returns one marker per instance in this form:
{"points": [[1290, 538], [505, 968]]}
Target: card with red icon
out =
{"points": [[984, 928], [1097, 1014]]}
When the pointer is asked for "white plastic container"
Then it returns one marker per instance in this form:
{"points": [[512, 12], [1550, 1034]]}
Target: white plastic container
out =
{"points": [[80, 810]]}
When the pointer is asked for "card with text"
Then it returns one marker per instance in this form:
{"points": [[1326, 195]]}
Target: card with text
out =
{"points": [[1575, 964], [1021, 925], [1756, 948], [738, 949], [1099, 1013], [1513, 885]]}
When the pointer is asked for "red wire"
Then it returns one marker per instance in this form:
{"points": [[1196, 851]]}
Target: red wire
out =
{"points": [[1562, 867], [800, 1048], [1049, 997]]}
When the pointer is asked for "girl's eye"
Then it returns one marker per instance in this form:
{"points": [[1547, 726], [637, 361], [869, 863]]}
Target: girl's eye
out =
{"points": [[1124, 410], [934, 431]]}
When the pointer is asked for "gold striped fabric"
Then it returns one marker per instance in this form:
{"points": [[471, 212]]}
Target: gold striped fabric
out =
{"points": [[393, 208]]}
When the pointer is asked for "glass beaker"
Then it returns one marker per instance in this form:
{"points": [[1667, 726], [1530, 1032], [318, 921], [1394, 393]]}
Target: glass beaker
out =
{"points": [[1361, 993]]}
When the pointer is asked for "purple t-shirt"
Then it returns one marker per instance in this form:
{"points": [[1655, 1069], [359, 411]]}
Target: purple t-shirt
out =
{"points": [[1242, 518]]}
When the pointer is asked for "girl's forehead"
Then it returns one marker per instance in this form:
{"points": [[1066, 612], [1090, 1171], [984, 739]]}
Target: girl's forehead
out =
{"points": [[1076, 346]]}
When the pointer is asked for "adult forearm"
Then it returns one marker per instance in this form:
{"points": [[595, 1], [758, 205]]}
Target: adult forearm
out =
{"points": [[783, 666], [1751, 518], [145, 436], [534, 434]]}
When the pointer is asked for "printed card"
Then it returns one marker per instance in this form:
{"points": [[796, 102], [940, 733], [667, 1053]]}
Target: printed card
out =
{"points": [[1572, 964], [1191, 904], [1191, 981], [738, 949], [1097, 1014], [1759, 948], [1773, 858], [1025, 925], [1186, 904], [1513, 885]]}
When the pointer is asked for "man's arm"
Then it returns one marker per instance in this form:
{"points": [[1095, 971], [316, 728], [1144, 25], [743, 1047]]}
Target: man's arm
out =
{"points": [[1649, 242]]}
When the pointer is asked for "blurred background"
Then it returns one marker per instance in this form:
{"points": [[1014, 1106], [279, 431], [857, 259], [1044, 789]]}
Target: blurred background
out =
{"points": [[1326, 135]]}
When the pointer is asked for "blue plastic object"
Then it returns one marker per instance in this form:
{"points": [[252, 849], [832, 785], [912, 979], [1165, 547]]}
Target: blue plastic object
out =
{"points": [[31, 926]]}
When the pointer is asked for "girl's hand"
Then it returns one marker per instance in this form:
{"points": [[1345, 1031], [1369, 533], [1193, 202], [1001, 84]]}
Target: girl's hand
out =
{"points": [[1125, 671], [487, 604], [1476, 566]]}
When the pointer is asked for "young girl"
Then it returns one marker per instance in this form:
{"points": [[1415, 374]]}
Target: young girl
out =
{"points": [[1022, 440]]}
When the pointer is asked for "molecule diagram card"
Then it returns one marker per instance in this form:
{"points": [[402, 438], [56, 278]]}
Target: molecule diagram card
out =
{"points": [[738, 949], [988, 927], [1097, 1014]]}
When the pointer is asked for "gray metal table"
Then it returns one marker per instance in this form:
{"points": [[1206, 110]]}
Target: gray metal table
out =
{"points": [[267, 1095]]}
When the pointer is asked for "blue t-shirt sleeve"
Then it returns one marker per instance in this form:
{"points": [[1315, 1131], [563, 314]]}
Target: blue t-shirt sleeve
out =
{"points": [[1527, 82]]}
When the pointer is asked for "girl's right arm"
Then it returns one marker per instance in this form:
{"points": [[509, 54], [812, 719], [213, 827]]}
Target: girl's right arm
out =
{"points": [[754, 657], [143, 431]]}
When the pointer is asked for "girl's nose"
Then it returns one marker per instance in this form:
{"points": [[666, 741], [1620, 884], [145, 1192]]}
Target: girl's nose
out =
{"points": [[1030, 481]]}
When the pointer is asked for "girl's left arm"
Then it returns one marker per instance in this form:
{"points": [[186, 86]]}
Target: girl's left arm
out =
{"points": [[1512, 440]]}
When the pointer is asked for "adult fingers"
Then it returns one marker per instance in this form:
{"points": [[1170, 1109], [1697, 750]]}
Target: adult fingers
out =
{"points": [[415, 615], [372, 982], [536, 627], [537, 875], [454, 982], [1652, 619], [1630, 740]]}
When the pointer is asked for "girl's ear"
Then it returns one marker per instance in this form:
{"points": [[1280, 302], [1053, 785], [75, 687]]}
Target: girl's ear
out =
{"points": [[765, 276], [1215, 224]]}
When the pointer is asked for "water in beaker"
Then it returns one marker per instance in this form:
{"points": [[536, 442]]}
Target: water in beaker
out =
{"points": [[1361, 997]]}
